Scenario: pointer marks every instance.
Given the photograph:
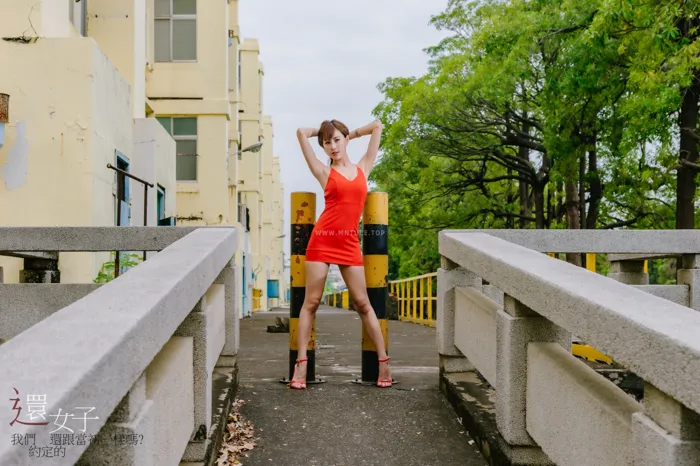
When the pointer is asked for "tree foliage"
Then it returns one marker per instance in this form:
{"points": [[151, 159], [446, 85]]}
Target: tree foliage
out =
{"points": [[543, 114]]}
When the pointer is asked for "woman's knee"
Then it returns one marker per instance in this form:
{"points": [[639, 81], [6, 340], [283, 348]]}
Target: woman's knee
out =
{"points": [[362, 306], [311, 303]]}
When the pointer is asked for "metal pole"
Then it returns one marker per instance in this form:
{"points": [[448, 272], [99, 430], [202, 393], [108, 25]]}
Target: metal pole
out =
{"points": [[145, 211], [375, 251], [303, 208], [127, 174], [146, 185], [119, 216]]}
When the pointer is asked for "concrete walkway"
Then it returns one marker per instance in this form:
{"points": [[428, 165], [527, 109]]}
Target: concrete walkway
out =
{"points": [[339, 423]]}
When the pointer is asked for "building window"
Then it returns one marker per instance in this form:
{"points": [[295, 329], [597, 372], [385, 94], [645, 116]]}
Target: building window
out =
{"points": [[175, 34], [122, 208], [184, 131], [160, 206]]}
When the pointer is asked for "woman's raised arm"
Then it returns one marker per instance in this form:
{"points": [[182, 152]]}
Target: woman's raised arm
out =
{"points": [[374, 129], [317, 168]]}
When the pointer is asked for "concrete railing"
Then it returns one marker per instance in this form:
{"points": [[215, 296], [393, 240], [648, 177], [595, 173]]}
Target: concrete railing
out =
{"points": [[120, 373], [516, 332]]}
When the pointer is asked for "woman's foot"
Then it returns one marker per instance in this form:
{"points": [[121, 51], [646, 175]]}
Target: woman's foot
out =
{"points": [[384, 374], [298, 381]]}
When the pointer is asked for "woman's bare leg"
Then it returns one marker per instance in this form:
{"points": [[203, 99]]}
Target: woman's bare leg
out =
{"points": [[316, 273], [354, 277]]}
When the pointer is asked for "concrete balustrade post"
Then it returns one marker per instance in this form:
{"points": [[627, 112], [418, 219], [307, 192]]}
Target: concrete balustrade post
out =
{"points": [[205, 325], [227, 278], [629, 272], [667, 433], [450, 275], [688, 273], [128, 437], [517, 326]]}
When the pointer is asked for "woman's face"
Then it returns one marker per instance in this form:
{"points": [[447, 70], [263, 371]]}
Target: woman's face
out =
{"points": [[335, 147]]}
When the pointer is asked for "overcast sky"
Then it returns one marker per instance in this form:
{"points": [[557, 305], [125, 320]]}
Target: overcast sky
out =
{"points": [[323, 59]]}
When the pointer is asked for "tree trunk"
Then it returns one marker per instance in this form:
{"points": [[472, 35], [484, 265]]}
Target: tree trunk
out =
{"points": [[510, 220], [596, 189], [561, 208], [572, 215], [523, 188], [550, 208], [582, 189], [688, 122], [685, 187], [538, 195]]}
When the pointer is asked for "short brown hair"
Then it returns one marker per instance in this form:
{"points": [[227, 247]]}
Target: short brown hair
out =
{"points": [[328, 128]]}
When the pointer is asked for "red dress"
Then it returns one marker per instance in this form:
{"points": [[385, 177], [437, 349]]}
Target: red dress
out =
{"points": [[335, 238]]}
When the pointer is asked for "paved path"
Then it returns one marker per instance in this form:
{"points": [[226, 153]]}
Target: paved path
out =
{"points": [[339, 423]]}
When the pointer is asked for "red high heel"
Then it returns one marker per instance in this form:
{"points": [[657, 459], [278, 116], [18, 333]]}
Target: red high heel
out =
{"points": [[384, 382], [295, 384]]}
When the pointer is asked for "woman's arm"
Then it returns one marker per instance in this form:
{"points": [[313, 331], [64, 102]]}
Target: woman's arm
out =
{"points": [[374, 129], [317, 168]]}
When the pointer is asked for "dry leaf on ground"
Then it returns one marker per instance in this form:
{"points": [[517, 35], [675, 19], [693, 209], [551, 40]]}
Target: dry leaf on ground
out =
{"points": [[237, 437]]}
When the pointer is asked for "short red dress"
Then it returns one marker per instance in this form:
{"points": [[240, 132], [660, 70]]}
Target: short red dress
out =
{"points": [[335, 238]]}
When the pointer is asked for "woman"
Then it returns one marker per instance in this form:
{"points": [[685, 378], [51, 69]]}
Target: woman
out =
{"points": [[335, 239]]}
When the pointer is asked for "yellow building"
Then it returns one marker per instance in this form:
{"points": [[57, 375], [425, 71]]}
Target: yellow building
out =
{"points": [[91, 92], [76, 105], [273, 215], [260, 183]]}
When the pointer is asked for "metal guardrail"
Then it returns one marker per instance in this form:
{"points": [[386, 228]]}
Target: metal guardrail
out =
{"points": [[416, 297], [339, 299]]}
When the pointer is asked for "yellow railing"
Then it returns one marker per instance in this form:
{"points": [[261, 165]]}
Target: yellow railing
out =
{"points": [[416, 301], [340, 299], [257, 298]]}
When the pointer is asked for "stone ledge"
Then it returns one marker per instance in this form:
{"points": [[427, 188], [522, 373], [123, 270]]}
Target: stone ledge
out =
{"points": [[94, 238], [130, 320], [633, 327], [640, 243], [472, 398]]}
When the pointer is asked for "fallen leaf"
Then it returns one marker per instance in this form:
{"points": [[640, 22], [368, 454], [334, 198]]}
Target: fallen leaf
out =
{"points": [[237, 439]]}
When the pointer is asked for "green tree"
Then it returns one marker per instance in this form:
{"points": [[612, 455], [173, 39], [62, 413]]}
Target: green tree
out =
{"points": [[659, 42], [524, 119], [126, 261]]}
